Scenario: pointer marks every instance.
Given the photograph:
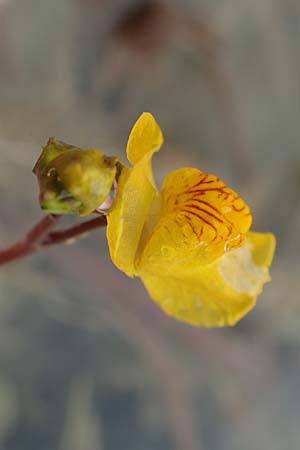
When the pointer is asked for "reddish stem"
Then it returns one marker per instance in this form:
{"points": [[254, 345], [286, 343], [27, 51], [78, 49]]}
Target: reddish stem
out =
{"points": [[31, 241], [41, 236], [66, 236]]}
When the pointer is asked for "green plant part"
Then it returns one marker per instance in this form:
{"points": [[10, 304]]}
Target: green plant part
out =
{"points": [[72, 180]]}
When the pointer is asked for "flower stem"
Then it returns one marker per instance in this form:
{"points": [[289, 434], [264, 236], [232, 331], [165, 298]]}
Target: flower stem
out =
{"points": [[70, 234], [42, 236]]}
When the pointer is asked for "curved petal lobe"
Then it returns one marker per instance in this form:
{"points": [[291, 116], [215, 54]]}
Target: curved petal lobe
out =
{"points": [[145, 137], [216, 294], [135, 194]]}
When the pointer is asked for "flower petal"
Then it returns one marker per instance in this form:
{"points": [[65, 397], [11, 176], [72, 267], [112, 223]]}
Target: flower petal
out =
{"points": [[216, 294], [145, 136], [135, 193], [127, 217], [201, 218]]}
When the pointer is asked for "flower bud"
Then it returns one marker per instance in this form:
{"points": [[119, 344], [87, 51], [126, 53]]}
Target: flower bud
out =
{"points": [[72, 180]]}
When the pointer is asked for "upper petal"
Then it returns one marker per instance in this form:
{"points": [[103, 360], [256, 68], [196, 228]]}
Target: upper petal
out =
{"points": [[215, 294], [135, 194], [128, 215], [145, 136]]}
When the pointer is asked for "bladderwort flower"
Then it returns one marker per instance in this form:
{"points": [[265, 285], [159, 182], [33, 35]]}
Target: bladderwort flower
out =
{"points": [[190, 243]]}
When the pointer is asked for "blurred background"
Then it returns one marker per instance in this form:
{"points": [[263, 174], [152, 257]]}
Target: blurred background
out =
{"points": [[87, 361]]}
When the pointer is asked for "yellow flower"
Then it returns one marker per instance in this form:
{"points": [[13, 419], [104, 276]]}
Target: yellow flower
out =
{"points": [[189, 243]]}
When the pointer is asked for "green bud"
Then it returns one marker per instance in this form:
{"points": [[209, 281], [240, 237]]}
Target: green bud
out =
{"points": [[73, 180]]}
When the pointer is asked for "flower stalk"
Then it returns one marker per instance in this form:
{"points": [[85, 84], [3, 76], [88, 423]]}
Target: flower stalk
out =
{"points": [[42, 236]]}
